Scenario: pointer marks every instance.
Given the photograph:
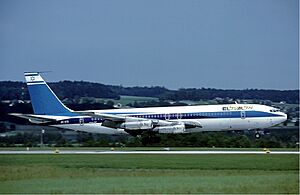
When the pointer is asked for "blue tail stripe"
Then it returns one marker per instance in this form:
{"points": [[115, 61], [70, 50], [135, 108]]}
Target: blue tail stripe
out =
{"points": [[45, 102]]}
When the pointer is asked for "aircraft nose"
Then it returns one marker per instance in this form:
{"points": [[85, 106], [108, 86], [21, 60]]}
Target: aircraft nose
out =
{"points": [[278, 120], [284, 118]]}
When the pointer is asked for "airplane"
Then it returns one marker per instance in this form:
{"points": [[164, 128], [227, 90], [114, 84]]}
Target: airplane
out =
{"points": [[50, 111]]}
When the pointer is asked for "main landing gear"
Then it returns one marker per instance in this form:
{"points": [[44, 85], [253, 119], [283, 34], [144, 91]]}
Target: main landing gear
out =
{"points": [[259, 133]]}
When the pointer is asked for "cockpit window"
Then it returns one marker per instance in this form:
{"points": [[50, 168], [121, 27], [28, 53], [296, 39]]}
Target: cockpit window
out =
{"points": [[275, 110]]}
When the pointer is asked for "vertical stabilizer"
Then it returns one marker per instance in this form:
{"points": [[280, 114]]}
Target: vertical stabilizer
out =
{"points": [[43, 100]]}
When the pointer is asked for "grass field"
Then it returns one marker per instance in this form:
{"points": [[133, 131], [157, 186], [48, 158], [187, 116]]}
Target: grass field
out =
{"points": [[148, 148], [149, 173]]}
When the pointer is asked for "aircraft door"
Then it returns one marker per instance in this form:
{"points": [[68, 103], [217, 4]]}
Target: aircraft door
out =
{"points": [[81, 121], [243, 114]]}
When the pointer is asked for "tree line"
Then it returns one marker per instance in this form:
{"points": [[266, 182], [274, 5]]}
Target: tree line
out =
{"points": [[10, 90], [206, 139]]}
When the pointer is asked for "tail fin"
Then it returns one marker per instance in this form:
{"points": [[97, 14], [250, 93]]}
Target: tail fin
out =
{"points": [[43, 100]]}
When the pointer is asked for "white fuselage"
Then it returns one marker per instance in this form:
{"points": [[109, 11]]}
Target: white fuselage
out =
{"points": [[211, 117]]}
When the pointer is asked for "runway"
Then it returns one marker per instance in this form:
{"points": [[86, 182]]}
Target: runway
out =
{"points": [[142, 152]]}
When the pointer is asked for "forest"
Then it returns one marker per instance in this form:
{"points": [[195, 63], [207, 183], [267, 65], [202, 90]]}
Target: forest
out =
{"points": [[11, 90]]}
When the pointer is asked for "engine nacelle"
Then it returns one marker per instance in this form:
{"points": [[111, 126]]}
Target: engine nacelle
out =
{"points": [[137, 125], [178, 128]]}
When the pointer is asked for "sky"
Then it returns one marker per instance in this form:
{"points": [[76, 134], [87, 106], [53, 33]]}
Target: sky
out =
{"points": [[224, 44]]}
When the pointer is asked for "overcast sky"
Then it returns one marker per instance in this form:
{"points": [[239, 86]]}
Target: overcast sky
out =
{"points": [[234, 44]]}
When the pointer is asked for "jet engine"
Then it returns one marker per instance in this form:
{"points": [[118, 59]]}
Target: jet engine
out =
{"points": [[137, 125], [176, 128]]}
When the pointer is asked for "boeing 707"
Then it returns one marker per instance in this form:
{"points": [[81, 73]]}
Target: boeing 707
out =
{"points": [[49, 110]]}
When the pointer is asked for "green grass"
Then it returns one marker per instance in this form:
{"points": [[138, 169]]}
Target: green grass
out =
{"points": [[149, 173], [148, 148]]}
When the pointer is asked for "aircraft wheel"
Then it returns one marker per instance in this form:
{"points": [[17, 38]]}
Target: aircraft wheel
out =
{"points": [[257, 135]]}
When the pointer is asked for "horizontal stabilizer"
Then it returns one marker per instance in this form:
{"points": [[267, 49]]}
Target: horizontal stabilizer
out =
{"points": [[34, 118]]}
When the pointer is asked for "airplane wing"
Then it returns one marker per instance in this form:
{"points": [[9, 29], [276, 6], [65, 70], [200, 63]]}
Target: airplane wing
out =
{"points": [[134, 123]]}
